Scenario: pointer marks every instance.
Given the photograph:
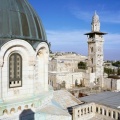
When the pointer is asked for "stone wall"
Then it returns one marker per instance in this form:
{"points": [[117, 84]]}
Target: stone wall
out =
{"points": [[92, 110]]}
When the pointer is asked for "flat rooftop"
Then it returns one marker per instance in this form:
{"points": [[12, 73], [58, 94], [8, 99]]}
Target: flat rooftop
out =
{"points": [[110, 99]]}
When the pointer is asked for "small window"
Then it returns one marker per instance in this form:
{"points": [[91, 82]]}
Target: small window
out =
{"points": [[113, 114], [81, 111], [100, 110], [85, 110], [15, 70], [118, 116], [104, 112], [91, 108], [92, 70], [88, 110], [109, 114], [97, 109], [92, 60], [91, 49]]}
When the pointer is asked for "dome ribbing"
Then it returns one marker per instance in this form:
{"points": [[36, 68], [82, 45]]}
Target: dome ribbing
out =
{"points": [[18, 20]]}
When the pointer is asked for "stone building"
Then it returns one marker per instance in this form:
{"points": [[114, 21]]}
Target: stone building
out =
{"points": [[64, 72], [62, 68], [112, 83], [24, 53], [102, 106], [95, 50]]}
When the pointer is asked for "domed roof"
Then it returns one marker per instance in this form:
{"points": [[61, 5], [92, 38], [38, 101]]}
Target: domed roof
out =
{"points": [[18, 20], [95, 18]]}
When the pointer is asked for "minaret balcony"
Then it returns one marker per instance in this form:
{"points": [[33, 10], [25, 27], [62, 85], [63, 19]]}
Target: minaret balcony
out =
{"points": [[95, 40]]}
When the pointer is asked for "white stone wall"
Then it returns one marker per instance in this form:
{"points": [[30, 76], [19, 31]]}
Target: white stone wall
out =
{"points": [[112, 84], [118, 85], [69, 78], [92, 111], [34, 71]]}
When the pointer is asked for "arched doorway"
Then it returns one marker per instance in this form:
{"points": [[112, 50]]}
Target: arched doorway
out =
{"points": [[63, 84]]}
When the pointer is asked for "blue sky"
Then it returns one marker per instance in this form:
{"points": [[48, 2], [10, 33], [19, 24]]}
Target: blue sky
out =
{"points": [[66, 21]]}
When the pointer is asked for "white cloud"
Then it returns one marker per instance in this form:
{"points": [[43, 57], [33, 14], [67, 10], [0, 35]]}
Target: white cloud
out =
{"points": [[112, 38], [76, 41], [68, 40], [105, 16]]}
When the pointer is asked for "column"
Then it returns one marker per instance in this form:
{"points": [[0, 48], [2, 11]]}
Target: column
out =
{"points": [[116, 115]]}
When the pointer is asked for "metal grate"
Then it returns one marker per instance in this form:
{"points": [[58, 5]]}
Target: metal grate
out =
{"points": [[15, 70]]}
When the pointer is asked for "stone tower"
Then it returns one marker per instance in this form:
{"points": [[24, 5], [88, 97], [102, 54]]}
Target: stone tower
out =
{"points": [[95, 51]]}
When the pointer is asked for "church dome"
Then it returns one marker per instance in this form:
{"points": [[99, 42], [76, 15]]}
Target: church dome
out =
{"points": [[95, 18], [18, 20]]}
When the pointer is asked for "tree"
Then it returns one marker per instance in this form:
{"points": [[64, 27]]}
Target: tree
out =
{"points": [[109, 71], [116, 64], [118, 71], [82, 65]]}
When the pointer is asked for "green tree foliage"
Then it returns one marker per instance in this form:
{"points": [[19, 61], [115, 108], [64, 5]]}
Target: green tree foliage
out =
{"points": [[82, 65], [118, 71], [117, 63], [109, 71]]}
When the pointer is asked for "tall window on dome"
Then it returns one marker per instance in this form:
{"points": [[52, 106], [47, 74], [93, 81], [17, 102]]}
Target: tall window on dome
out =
{"points": [[15, 70]]}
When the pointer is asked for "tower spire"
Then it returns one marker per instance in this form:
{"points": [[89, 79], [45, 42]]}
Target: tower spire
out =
{"points": [[95, 52], [95, 22]]}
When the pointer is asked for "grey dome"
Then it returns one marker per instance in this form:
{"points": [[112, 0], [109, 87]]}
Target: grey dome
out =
{"points": [[18, 20]]}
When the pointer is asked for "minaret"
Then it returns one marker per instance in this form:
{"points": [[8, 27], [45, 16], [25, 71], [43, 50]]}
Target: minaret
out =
{"points": [[95, 51]]}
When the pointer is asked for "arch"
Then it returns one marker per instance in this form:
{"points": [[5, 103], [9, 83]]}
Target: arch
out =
{"points": [[32, 105], [12, 110], [97, 109], [104, 112], [91, 49], [43, 53], [63, 84], [85, 111], [81, 111], [26, 106], [109, 113], [15, 70], [41, 46], [19, 108], [5, 112], [92, 60], [114, 114], [16, 43], [92, 70], [91, 109], [88, 110]]}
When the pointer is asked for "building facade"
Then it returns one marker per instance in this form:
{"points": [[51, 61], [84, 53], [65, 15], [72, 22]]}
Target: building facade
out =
{"points": [[64, 72], [95, 51], [24, 53], [63, 65]]}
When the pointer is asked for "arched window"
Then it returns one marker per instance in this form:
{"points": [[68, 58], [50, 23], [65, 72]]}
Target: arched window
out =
{"points": [[92, 60], [91, 49], [15, 70], [92, 70], [76, 83]]}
